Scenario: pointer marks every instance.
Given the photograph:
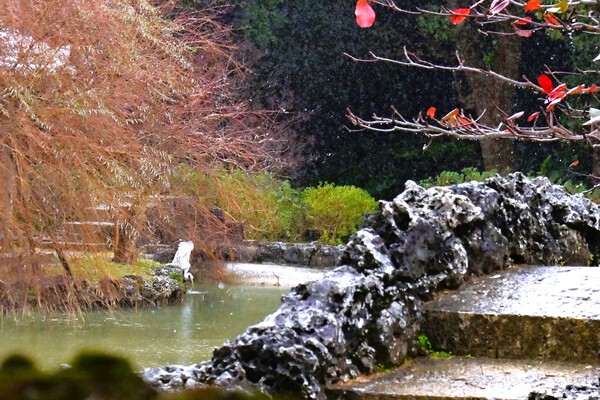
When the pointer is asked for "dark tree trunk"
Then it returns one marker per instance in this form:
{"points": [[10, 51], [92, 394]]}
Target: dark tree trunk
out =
{"points": [[125, 238], [596, 164], [487, 96]]}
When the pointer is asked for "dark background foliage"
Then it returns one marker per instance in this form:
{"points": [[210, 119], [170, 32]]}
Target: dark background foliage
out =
{"points": [[296, 51]]}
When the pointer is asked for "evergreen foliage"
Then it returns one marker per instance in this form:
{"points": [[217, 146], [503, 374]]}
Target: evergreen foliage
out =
{"points": [[336, 211], [272, 210]]}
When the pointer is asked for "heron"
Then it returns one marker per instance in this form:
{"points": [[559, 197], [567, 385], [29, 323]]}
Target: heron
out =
{"points": [[182, 260]]}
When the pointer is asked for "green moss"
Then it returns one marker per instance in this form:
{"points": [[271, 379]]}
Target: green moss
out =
{"points": [[176, 276], [424, 345], [384, 368]]}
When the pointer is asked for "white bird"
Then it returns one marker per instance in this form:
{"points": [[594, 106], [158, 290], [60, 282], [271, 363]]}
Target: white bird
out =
{"points": [[182, 260]]}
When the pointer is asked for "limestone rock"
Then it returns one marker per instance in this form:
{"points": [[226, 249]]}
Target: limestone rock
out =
{"points": [[367, 312]]}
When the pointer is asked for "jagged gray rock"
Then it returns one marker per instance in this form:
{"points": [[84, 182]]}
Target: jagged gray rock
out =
{"points": [[570, 392], [367, 312], [312, 255]]}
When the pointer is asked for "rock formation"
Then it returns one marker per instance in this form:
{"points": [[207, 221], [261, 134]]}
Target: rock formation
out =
{"points": [[366, 313]]}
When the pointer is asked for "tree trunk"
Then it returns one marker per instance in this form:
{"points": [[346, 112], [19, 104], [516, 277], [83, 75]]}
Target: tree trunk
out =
{"points": [[498, 155], [7, 191], [596, 164], [125, 238], [487, 96]]}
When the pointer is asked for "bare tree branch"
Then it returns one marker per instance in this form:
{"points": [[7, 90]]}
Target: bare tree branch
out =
{"points": [[558, 100], [412, 60]]}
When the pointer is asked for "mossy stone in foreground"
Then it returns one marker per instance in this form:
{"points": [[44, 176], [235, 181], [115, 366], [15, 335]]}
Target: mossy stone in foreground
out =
{"points": [[92, 375], [95, 376]]}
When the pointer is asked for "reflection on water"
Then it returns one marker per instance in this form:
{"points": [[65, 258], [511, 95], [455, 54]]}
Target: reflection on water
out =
{"points": [[184, 334]]}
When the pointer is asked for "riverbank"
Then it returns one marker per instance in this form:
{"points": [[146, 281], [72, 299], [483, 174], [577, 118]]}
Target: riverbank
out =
{"points": [[69, 294], [51, 290]]}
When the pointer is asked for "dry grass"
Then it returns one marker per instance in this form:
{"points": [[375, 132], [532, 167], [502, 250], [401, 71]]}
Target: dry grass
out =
{"points": [[96, 266]]}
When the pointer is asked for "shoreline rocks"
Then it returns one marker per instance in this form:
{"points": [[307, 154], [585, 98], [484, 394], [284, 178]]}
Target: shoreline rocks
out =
{"points": [[62, 293], [310, 255]]}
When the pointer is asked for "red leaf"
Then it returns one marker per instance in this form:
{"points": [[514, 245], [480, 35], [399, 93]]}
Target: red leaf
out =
{"points": [[576, 90], [459, 15], [532, 5], [551, 106], [431, 112], [545, 83], [591, 89], [574, 163], [498, 5], [533, 116], [523, 21], [463, 121], [551, 19], [524, 32], [558, 93], [365, 16]]}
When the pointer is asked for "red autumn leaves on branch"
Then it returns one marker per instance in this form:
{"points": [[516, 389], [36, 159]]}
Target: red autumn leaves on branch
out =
{"points": [[555, 95], [544, 124], [365, 15], [458, 15]]}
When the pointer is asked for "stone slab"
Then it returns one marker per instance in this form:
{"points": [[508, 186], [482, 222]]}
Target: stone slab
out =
{"points": [[272, 274], [529, 312], [465, 378]]}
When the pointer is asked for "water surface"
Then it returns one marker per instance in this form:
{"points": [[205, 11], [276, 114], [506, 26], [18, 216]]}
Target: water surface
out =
{"points": [[183, 334]]}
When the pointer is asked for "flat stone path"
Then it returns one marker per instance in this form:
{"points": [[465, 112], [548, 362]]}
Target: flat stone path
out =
{"points": [[550, 313], [522, 330], [465, 378], [556, 292]]}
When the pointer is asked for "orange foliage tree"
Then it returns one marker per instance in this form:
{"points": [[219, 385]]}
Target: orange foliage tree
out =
{"points": [[566, 111], [99, 102]]}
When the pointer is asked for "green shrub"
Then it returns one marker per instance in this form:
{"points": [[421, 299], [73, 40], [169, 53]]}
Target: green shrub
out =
{"points": [[189, 182], [269, 207], [336, 211], [447, 178]]}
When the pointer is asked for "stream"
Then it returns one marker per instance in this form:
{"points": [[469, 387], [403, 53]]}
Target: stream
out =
{"points": [[184, 334]]}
